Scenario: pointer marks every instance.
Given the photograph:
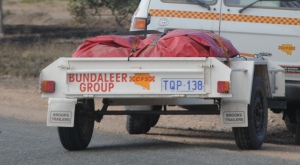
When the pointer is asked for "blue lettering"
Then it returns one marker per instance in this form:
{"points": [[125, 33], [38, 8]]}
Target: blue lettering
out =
{"points": [[172, 85], [195, 85], [179, 84], [165, 82]]}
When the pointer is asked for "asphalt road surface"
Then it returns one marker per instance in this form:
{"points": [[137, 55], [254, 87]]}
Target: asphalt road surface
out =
{"points": [[26, 142]]}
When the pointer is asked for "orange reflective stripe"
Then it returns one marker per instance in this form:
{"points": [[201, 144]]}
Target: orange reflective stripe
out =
{"points": [[184, 14], [225, 17], [260, 19]]}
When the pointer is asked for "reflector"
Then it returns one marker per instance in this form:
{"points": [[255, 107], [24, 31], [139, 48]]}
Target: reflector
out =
{"points": [[48, 86], [223, 86]]}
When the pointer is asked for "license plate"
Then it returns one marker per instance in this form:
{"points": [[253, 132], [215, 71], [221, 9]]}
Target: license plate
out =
{"points": [[182, 85]]}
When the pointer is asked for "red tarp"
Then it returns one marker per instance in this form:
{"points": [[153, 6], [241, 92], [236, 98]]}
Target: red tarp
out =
{"points": [[176, 43]]}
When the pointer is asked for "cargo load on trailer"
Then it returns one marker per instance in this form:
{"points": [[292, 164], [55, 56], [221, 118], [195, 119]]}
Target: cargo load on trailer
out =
{"points": [[175, 43]]}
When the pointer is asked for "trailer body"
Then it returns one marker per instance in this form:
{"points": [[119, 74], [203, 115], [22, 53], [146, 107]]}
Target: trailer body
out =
{"points": [[239, 89]]}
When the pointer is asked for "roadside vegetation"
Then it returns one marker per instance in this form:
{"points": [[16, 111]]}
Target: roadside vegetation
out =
{"points": [[85, 10], [27, 49], [27, 59]]}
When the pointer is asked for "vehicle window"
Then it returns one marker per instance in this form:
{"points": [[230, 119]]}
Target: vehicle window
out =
{"points": [[288, 4], [210, 2]]}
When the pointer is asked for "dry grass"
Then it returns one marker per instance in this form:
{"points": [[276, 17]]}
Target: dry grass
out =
{"points": [[37, 32], [27, 60], [27, 49]]}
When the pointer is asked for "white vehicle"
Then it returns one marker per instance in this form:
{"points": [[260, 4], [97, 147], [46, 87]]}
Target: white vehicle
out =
{"points": [[239, 89], [252, 26]]}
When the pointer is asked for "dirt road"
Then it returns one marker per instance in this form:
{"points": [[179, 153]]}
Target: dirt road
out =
{"points": [[21, 99]]}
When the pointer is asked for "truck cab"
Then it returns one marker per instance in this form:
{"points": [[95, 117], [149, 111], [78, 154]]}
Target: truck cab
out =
{"points": [[253, 26]]}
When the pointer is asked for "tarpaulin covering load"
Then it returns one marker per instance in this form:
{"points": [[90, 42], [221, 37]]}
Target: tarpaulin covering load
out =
{"points": [[176, 43], [106, 46]]}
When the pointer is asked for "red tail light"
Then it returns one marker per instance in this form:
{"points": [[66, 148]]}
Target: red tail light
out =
{"points": [[48, 86], [223, 86]]}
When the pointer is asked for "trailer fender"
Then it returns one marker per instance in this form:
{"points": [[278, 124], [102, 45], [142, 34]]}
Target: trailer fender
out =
{"points": [[234, 113], [61, 112], [262, 72], [276, 80], [234, 109]]}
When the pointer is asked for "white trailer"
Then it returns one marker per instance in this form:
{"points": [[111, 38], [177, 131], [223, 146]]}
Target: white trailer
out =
{"points": [[239, 89]]}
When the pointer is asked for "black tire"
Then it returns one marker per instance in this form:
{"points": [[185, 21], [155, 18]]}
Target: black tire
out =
{"points": [[154, 118], [297, 137], [141, 124], [297, 134], [79, 136], [138, 124], [253, 136]]}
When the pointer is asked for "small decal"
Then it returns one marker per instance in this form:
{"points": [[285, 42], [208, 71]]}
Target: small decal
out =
{"points": [[142, 79], [234, 117], [287, 48], [61, 117], [163, 22]]}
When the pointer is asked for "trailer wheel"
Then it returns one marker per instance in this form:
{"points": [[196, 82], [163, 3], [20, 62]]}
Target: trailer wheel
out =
{"points": [[79, 136], [141, 124], [290, 126], [253, 136], [138, 124], [297, 137], [154, 118]]}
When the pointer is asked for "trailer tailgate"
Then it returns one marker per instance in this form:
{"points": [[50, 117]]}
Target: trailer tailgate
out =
{"points": [[136, 77]]}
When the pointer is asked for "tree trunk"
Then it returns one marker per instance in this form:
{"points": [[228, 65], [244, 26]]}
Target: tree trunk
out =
{"points": [[1, 20]]}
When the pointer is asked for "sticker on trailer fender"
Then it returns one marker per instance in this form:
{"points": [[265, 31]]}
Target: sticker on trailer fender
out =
{"points": [[61, 112], [234, 117], [234, 113]]}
